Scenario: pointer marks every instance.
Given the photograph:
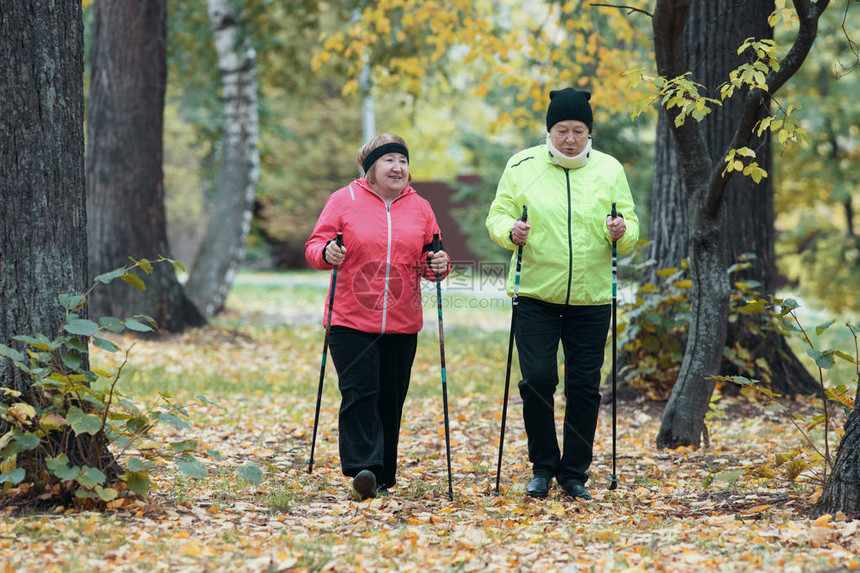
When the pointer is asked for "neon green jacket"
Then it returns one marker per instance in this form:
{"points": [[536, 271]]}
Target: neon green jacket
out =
{"points": [[568, 256]]}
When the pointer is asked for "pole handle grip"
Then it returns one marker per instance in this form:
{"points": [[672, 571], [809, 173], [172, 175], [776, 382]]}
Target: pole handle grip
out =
{"points": [[338, 239], [614, 212], [525, 216], [437, 246]]}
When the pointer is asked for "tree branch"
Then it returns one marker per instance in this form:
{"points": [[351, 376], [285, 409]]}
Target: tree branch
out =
{"points": [[630, 9], [802, 44], [852, 45]]}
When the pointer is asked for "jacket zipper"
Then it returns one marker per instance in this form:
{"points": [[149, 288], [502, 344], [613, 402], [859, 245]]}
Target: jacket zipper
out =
{"points": [[569, 238], [387, 268], [387, 259]]}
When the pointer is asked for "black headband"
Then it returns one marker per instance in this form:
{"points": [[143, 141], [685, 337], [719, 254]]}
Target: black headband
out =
{"points": [[384, 149]]}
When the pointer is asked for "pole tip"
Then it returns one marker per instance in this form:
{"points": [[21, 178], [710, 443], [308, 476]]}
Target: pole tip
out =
{"points": [[613, 483]]}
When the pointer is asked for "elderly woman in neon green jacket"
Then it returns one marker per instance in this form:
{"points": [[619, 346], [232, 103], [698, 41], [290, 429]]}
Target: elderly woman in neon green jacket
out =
{"points": [[565, 290]]}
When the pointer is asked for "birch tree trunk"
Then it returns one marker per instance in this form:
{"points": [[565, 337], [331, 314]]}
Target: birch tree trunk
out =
{"points": [[223, 246]]}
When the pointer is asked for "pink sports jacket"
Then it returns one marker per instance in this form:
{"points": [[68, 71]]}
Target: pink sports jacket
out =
{"points": [[379, 283]]}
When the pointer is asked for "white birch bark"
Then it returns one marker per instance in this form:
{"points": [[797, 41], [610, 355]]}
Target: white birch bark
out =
{"points": [[223, 246]]}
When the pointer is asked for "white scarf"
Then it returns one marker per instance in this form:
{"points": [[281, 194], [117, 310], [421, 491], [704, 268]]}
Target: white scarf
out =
{"points": [[566, 161]]}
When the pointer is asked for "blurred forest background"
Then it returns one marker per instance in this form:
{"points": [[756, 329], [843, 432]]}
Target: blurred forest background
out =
{"points": [[467, 96]]}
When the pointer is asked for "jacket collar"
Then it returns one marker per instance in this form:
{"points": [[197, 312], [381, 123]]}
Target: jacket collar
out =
{"points": [[558, 158], [362, 182]]}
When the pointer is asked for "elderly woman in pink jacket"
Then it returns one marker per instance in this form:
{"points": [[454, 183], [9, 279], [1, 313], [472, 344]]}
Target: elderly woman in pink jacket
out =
{"points": [[387, 247]]}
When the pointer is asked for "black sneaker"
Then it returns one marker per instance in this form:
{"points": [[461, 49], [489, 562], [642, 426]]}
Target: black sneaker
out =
{"points": [[364, 484]]}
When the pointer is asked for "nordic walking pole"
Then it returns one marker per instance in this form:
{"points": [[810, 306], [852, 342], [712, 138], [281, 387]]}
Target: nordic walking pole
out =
{"points": [[339, 240], [514, 303], [437, 246], [613, 481]]}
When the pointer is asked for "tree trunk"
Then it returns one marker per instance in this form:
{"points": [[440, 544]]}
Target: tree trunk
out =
{"points": [[667, 231], [125, 188], [43, 241], [707, 187], [842, 491], [684, 416], [713, 32], [43, 219], [223, 246]]}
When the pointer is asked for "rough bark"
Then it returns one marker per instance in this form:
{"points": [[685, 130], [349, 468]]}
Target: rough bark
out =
{"points": [[713, 32], [706, 188], [842, 491], [684, 416], [667, 233], [721, 27], [43, 220], [43, 242], [125, 189], [223, 246]]}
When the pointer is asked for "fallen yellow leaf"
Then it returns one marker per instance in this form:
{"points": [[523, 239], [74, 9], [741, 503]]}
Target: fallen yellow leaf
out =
{"points": [[822, 521], [757, 509]]}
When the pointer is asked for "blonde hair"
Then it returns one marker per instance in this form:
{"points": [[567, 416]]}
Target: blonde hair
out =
{"points": [[365, 150]]}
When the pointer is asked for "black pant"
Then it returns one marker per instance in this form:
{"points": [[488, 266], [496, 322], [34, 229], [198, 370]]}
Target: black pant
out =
{"points": [[582, 331], [373, 376]]}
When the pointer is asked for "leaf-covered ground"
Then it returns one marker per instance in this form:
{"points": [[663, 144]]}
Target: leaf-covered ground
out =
{"points": [[727, 508]]}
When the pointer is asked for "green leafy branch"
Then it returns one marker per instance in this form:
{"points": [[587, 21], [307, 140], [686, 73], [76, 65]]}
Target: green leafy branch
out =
{"points": [[686, 95], [787, 129], [752, 74], [824, 360], [58, 429], [735, 162]]}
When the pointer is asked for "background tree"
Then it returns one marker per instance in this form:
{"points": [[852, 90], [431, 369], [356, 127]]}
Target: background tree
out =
{"points": [[819, 184], [706, 182], [223, 245], [713, 32], [298, 108], [125, 193]]}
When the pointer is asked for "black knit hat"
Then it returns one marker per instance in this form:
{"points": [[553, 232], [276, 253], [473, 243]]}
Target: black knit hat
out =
{"points": [[569, 104]]}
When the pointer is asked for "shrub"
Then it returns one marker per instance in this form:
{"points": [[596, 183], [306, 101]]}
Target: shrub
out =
{"points": [[60, 422]]}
